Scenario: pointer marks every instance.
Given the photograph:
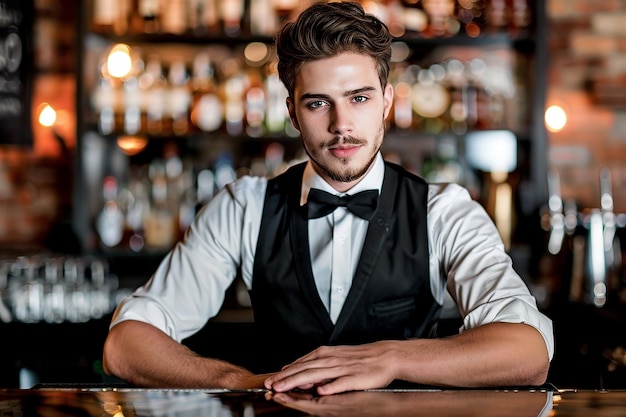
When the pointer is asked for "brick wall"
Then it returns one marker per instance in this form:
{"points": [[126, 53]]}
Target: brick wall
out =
{"points": [[587, 76]]}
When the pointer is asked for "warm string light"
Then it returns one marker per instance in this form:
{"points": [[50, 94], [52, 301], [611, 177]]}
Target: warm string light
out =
{"points": [[555, 118], [47, 115]]}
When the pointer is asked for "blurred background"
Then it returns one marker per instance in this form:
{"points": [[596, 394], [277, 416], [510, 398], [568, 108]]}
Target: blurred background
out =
{"points": [[120, 119]]}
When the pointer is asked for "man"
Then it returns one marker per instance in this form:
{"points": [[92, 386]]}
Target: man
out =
{"points": [[344, 301]]}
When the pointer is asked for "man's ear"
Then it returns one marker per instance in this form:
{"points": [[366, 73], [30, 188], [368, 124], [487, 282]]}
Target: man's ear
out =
{"points": [[291, 108], [387, 99]]}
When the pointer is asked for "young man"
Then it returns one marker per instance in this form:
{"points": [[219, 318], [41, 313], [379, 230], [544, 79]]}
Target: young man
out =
{"points": [[344, 301]]}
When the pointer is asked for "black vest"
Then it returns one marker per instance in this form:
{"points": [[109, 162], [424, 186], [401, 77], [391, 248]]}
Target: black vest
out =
{"points": [[390, 297]]}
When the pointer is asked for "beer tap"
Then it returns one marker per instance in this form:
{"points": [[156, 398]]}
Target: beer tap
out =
{"points": [[608, 216], [557, 218], [601, 244]]}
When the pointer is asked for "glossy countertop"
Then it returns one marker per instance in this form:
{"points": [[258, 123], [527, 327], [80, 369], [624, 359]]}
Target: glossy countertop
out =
{"points": [[127, 402]]}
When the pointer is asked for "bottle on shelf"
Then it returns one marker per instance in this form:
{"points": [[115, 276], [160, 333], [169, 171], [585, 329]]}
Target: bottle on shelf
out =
{"points": [[207, 112], [231, 15], [148, 17], [160, 222], [153, 83], [174, 19], [204, 17], [110, 16], [110, 222], [132, 107], [178, 97]]}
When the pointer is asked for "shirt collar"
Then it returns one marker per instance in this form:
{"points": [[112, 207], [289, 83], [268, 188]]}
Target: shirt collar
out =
{"points": [[373, 180]]}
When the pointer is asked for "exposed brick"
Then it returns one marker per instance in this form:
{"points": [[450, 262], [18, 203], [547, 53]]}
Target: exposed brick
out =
{"points": [[591, 44], [609, 23], [616, 65]]}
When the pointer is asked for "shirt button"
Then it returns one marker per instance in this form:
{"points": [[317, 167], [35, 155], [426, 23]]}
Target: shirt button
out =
{"points": [[340, 290]]}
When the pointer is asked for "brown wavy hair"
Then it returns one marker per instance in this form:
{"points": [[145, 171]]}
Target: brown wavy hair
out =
{"points": [[326, 29]]}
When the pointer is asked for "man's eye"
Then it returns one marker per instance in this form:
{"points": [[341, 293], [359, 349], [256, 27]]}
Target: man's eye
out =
{"points": [[315, 104], [360, 99]]}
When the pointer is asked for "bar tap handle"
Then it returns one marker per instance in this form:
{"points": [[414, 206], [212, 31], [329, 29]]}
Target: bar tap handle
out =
{"points": [[557, 219], [571, 216], [608, 216], [596, 260]]}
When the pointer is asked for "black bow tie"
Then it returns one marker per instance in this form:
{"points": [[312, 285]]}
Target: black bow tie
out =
{"points": [[363, 204]]}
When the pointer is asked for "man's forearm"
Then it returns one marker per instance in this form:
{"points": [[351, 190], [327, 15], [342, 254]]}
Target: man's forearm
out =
{"points": [[144, 356], [497, 354]]}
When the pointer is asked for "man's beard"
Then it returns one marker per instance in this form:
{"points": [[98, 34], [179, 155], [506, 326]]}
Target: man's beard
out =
{"points": [[347, 176], [352, 174]]}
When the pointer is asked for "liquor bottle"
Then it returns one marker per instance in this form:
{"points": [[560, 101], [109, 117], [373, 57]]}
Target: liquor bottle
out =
{"points": [[231, 15], [207, 110], [110, 16], [160, 223], [174, 17], [149, 12], [521, 15], [132, 106], [153, 85], [498, 14], [263, 19], [204, 18], [255, 105], [179, 97], [402, 108], [110, 221], [234, 89], [284, 9], [104, 103], [277, 116]]}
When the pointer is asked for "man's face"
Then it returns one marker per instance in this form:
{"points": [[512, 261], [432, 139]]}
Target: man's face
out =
{"points": [[340, 109]]}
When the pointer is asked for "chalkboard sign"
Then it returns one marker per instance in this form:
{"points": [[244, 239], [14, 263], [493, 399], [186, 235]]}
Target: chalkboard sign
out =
{"points": [[16, 52]]}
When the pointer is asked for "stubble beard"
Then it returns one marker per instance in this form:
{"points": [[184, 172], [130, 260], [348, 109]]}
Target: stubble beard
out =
{"points": [[349, 174]]}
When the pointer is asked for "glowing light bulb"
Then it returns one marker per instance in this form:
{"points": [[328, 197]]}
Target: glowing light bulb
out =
{"points": [[47, 115], [119, 62], [555, 118]]}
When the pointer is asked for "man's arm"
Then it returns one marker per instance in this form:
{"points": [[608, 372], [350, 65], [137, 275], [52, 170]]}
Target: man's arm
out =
{"points": [[496, 354], [142, 355]]}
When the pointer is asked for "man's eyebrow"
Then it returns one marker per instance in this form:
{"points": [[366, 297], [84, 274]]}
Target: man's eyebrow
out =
{"points": [[348, 93]]}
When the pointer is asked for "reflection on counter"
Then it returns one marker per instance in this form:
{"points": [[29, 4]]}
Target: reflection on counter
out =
{"points": [[118, 402]]}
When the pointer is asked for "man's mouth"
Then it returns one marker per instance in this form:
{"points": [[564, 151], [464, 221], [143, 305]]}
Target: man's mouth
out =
{"points": [[344, 151]]}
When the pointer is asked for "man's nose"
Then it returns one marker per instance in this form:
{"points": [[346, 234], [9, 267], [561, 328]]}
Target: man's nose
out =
{"points": [[341, 120]]}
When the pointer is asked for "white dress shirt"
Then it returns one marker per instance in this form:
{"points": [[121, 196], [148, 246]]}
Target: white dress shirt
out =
{"points": [[468, 263]]}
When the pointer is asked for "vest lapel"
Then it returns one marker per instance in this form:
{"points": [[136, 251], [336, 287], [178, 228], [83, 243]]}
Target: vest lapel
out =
{"points": [[299, 231], [377, 232]]}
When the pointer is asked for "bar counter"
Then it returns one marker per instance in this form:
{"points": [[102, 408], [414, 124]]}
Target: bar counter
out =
{"points": [[127, 402]]}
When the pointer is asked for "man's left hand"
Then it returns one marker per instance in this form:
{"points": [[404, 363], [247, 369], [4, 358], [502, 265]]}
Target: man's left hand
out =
{"points": [[333, 369]]}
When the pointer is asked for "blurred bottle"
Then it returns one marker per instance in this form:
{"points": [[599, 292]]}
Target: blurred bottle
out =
{"points": [[148, 17], [160, 223], [498, 13], [153, 83], [105, 102], [132, 107], [110, 222], [207, 112], [110, 16], [255, 105], [263, 19], [277, 115], [204, 17], [178, 97], [234, 87], [231, 15], [174, 17]]}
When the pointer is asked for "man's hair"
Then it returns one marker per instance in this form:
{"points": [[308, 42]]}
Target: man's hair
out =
{"points": [[327, 29]]}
